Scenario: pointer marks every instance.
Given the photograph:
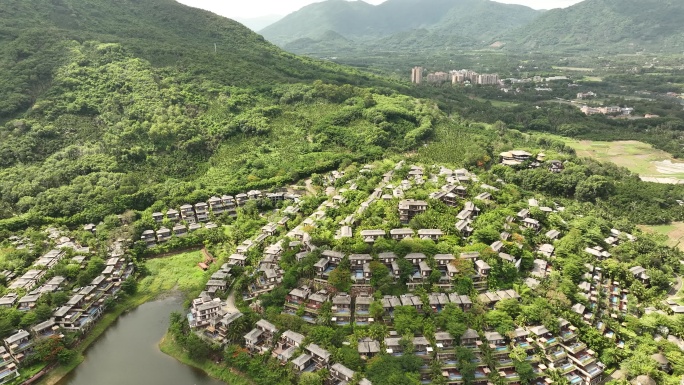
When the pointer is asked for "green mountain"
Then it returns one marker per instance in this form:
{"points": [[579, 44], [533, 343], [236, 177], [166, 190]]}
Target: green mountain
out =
{"points": [[107, 106], [33, 37], [402, 24], [615, 25]]}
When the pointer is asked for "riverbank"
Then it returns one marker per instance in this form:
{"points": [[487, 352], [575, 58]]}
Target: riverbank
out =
{"points": [[54, 376], [220, 372], [176, 273]]}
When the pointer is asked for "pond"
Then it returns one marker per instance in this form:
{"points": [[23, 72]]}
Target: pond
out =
{"points": [[127, 352]]}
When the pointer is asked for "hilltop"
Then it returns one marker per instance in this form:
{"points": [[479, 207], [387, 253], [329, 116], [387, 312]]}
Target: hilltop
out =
{"points": [[613, 25], [405, 24]]}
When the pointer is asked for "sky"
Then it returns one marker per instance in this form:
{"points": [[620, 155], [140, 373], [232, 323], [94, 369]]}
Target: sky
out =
{"points": [[260, 8]]}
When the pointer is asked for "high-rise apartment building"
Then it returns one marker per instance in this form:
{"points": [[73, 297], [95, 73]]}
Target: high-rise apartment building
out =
{"points": [[417, 75]]}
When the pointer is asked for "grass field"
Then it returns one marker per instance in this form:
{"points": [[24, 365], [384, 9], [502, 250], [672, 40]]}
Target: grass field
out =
{"points": [[574, 69], [674, 233], [179, 272], [497, 103], [638, 157]]}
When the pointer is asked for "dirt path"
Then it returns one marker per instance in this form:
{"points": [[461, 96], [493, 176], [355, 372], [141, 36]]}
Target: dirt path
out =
{"points": [[230, 303], [309, 187], [675, 289]]}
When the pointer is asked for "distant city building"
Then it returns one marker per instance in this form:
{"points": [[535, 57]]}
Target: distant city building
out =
{"points": [[457, 77], [417, 75], [488, 79], [586, 95], [438, 77], [610, 110], [464, 76], [555, 78]]}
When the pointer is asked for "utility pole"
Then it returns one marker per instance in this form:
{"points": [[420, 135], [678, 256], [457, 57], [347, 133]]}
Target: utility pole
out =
{"points": [[214, 47]]}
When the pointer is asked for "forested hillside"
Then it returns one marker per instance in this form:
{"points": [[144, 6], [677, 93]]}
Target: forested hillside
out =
{"points": [[396, 25], [101, 114], [106, 107], [35, 38], [613, 25]]}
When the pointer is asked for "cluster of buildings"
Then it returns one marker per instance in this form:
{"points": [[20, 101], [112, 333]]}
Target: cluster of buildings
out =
{"points": [[190, 218], [83, 308], [603, 296], [421, 273], [609, 110], [209, 317], [561, 351], [472, 77], [269, 274], [586, 95], [313, 358], [518, 157], [453, 77]]}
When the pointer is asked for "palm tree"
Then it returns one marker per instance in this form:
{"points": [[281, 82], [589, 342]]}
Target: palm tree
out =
{"points": [[522, 289]]}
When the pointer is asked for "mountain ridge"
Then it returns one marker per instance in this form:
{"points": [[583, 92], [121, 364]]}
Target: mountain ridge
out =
{"points": [[616, 25], [473, 21]]}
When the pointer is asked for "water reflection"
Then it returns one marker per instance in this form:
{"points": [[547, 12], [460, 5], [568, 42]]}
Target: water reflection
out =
{"points": [[127, 353]]}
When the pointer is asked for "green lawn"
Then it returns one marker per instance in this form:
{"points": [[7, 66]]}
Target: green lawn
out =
{"points": [[574, 69], [663, 229], [636, 156], [674, 233], [178, 272], [28, 372], [497, 103]]}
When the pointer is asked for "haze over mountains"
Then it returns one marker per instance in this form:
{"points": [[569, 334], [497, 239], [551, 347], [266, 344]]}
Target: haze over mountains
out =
{"points": [[335, 26], [460, 22], [258, 23], [649, 25]]}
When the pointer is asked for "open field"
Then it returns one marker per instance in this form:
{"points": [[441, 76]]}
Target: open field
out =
{"points": [[497, 103], [178, 272], [674, 233], [575, 69], [651, 164]]}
